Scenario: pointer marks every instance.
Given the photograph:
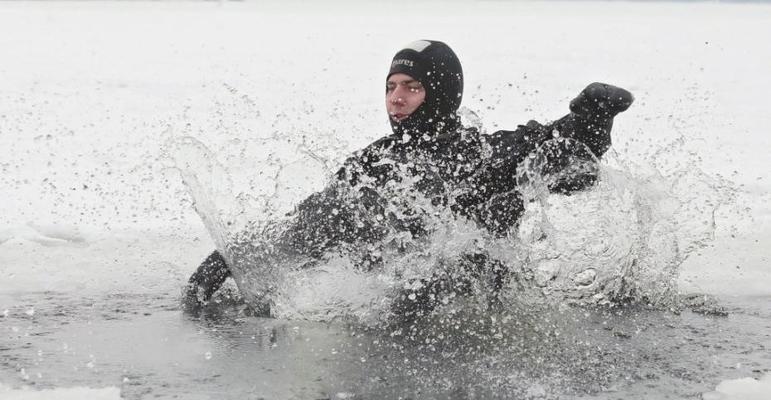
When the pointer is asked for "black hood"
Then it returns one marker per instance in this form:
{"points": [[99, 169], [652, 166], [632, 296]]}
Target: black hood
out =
{"points": [[436, 66]]}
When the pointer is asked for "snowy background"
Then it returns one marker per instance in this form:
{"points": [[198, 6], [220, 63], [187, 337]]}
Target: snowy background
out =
{"points": [[90, 92]]}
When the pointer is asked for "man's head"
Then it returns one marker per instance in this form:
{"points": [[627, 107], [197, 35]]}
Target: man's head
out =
{"points": [[424, 88], [404, 94]]}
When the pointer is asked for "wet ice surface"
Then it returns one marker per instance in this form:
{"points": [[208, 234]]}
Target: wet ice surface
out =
{"points": [[90, 290], [146, 347]]}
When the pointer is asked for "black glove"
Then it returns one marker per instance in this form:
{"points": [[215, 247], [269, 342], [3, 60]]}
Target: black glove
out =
{"points": [[601, 101]]}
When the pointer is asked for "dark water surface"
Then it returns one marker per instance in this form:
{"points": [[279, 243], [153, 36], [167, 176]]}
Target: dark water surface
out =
{"points": [[144, 345]]}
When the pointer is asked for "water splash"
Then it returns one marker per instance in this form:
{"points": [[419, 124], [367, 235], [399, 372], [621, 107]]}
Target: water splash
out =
{"points": [[208, 183], [621, 240]]}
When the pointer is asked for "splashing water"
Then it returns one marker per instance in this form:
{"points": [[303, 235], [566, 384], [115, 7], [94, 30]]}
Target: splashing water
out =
{"points": [[621, 240], [624, 239]]}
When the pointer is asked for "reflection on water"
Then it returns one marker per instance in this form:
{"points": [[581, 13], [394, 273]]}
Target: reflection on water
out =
{"points": [[145, 346]]}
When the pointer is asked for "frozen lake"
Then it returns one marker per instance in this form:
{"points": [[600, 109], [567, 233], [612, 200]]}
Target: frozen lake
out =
{"points": [[98, 234]]}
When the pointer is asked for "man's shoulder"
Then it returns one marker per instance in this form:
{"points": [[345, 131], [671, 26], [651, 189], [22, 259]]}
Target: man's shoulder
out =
{"points": [[530, 126], [372, 153], [463, 134], [379, 145]]}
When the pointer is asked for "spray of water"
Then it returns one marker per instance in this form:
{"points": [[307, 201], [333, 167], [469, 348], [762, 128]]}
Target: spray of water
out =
{"points": [[621, 240]]}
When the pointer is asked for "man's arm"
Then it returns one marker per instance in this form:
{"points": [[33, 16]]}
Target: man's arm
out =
{"points": [[591, 116], [209, 276], [590, 122], [492, 199], [321, 221]]}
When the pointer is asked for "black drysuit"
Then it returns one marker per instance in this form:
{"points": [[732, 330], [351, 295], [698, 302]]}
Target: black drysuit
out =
{"points": [[473, 174], [485, 166]]}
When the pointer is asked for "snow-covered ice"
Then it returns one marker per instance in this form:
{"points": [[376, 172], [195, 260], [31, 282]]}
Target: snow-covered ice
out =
{"points": [[111, 393], [743, 388]]}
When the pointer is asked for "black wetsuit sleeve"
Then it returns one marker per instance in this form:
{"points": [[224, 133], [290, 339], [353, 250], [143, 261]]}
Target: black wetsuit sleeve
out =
{"points": [[593, 132], [323, 220], [589, 122], [343, 212], [574, 164], [330, 218], [491, 197], [369, 165]]}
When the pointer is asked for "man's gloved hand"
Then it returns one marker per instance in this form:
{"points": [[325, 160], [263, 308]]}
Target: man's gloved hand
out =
{"points": [[568, 164], [601, 101]]}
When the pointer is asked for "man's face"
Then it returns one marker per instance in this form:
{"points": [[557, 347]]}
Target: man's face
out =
{"points": [[404, 95]]}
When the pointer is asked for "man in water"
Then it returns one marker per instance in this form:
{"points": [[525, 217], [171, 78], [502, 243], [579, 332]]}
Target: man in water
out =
{"points": [[454, 166]]}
